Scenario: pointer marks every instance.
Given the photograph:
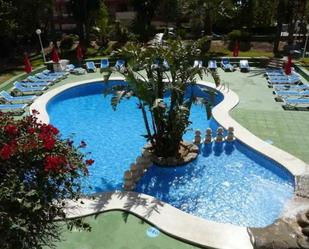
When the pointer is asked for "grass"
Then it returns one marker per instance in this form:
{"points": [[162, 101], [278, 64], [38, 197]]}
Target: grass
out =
{"points": [[304, 62], [222, 51]]}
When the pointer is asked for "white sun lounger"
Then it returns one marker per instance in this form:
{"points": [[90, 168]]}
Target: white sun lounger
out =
{"points": [[198, 63], [244, 66], [212, 65]]}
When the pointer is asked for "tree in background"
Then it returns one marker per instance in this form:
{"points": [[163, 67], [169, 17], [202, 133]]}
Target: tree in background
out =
{"points": [[88, 14], [203, 14], [145, 11], [18, 21], [264, 12], [170, 11]]}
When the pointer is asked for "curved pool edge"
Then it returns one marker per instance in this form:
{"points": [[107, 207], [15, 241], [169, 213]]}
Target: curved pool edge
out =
{"points": [[171, 220], [168, 219], [221, 114]]}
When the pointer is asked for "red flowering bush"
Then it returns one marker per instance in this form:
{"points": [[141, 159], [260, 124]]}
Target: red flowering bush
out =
{"points": [[38, 171]]}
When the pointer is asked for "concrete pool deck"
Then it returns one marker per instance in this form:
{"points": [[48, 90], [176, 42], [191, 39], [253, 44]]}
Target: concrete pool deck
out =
{"points": [[169, 219]]}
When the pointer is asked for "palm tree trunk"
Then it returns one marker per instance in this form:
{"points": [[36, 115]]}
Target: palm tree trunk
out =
{"points": [[146, 124], [280, 19]]}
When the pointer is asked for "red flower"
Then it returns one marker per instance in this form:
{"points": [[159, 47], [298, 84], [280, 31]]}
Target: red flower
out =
{"points": [[49, 129], [6, 152], [89, 162], [49, 143], [11, 129], [53, 163], [31, 130], [35, 112]]}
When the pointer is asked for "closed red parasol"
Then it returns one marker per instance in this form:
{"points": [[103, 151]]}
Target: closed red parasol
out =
{"points": [[79, 53], [55, 56], [27, 64], [288, 66], [236, 49]]}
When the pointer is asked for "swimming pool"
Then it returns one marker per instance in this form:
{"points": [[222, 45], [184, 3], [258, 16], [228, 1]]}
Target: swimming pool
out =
{"points": [[227, 183]]}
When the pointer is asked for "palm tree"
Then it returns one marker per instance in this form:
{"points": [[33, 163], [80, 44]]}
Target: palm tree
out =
{"points": [[148, 80]]}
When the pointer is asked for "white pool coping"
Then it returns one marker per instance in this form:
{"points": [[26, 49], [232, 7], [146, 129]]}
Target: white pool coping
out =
{"points": [[169, 219]]}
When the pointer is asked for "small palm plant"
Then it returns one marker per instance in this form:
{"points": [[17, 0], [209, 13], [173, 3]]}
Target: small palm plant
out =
{"points": [[166, 118]]}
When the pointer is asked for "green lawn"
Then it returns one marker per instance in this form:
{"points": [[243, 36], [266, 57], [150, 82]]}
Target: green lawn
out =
{"points": [[113, 230]]}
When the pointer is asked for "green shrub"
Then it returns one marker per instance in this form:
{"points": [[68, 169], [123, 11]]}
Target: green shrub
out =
{"points": [[204, 44], [67, 41], [239, 35], [38, 173]]}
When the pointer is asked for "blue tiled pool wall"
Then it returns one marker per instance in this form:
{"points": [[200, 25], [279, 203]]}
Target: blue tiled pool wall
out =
{"points": [[68, 112]]}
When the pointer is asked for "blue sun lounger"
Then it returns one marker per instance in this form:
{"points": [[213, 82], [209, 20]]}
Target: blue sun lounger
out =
{"points": [[28, 90], [296, 102], [104, 64], [34, 84], [90, 66], [226, 65], [12, 107], [36, 79], [120, 65], [46, 77], [285, 94], [296, 87], [284, 81], [63, 74], [18, 99], [274, 72], [284, 77], [212, 65]]}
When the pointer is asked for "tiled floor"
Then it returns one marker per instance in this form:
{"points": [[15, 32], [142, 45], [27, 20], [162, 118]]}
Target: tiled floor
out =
{"points": [[264, 117]]}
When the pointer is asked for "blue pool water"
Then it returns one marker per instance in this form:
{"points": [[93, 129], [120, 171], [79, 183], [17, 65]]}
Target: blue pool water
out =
{"points": [[228, 183]]}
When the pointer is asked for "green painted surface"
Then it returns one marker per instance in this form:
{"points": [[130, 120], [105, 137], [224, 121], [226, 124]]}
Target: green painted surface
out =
{"points": [[113, 230], [263, 116]]}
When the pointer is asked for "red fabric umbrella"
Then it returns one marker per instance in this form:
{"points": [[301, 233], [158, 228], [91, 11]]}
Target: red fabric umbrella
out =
{"points": [[27, 64], [236, 49], [79, 53], [54, 56], [288, 66]]}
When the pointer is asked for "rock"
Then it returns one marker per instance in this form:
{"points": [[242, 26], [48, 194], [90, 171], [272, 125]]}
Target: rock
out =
{"points": [[307, 214], [279, 235], [303, 243], [302, 220], [305, 230], [302, 186]]}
